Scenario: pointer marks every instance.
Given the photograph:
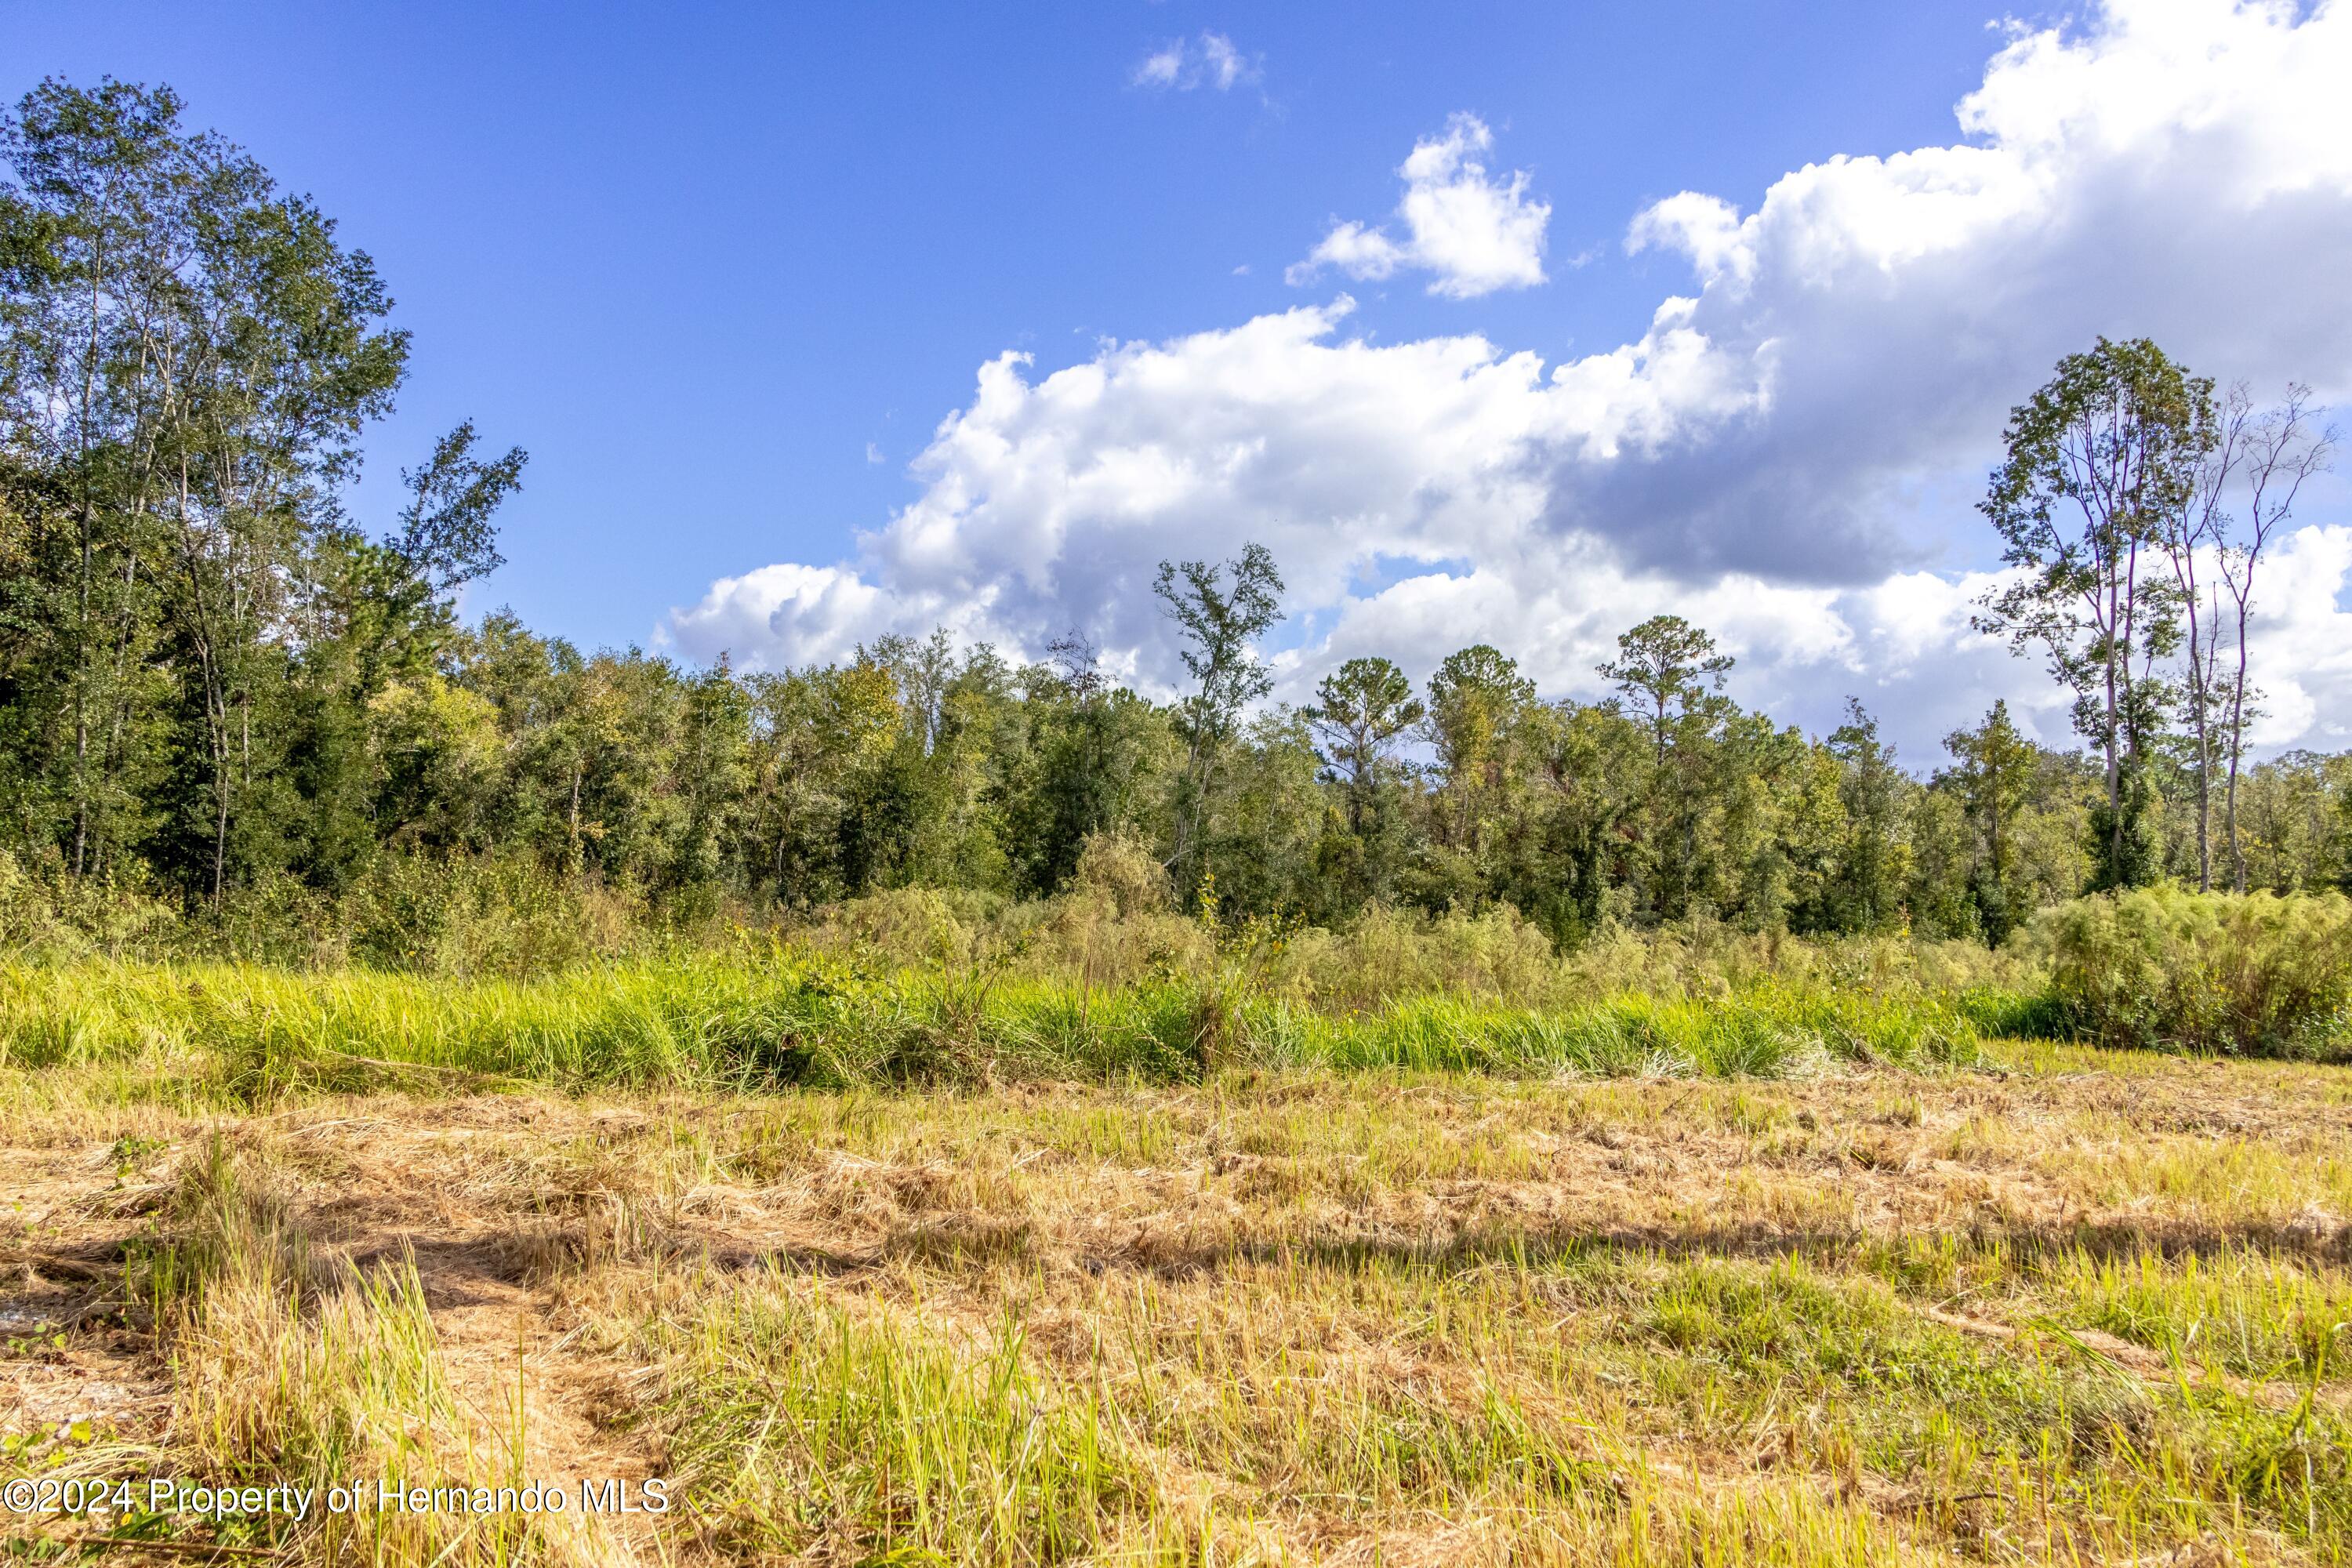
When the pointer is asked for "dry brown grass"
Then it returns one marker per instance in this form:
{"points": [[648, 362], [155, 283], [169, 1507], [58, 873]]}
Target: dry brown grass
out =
{"points": [[2075, 1308]]}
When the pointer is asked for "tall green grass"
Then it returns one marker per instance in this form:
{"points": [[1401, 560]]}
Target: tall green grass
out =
{"points": [[815, 1019]]}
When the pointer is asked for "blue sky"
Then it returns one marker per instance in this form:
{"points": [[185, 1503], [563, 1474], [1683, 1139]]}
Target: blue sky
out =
{"points": [[708, 263], [695, 257]]}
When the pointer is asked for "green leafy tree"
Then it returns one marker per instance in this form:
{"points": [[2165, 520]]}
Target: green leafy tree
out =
{"points": [[1362, 710], [1092, 751], [2294, 810], [1665, 667], [714, 736], [1220, 612], [1874, 861], [1994, 772], [2101, 462], [1575, 847], [195, 354], [1476, 698], [1670, 677]]}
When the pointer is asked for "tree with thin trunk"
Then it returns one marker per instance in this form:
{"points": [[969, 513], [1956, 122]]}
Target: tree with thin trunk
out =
{"points": [[1220, 612], [1359, 711], [1664, 665], [2280, 448], [1669, 671], [2100, 462], [1995, 775], [100, 179], [2189, 538], [206, 356], [1475, 698]]}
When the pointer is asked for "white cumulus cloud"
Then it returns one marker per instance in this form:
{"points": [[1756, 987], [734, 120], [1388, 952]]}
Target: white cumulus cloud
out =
{"points": [[1789, 453], [1477, 233]]}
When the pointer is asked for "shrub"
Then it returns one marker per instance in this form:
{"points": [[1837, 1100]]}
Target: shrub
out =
{"points": [[1121, 867], [2159, 968], [276, 919], [1386, 953], [44, 911], [910, 924], [1115, 924]]}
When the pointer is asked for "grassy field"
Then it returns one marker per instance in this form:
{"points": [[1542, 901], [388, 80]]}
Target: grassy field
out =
{"points": [[811, 1021], [969, 1265]]}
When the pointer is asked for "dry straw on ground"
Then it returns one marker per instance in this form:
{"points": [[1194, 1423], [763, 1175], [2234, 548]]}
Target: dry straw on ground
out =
{"points": [[2062, 1308]]}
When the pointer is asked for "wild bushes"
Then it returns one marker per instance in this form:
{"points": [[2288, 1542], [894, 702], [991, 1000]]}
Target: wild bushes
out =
{"points": [[2161, 969], [415, 913], [1117, 923], [57, 916], [1100, 935], [487, 969]]}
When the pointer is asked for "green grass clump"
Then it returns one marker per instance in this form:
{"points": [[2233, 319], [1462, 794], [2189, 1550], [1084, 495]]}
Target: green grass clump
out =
{"points": [[2035, 1420], [2000, 1013], [1765, 1032], [2245, 1314], [798, 1425], [276, 1027]]}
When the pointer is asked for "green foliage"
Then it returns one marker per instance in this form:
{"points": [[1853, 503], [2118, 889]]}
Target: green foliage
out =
{"points": [[1764, 1033], [2254, 974], [1994, 776], [56, 916], [192, 356], [2101, 462], [1220, 612], [233, 724], [1360, 714], [1665, 666], [2243, 1315]]}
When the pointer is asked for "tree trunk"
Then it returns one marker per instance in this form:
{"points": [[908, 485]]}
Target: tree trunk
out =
{"points": [[2111, 732], [88, 527], [574, 856], [2237, 749], [2199, 672]]}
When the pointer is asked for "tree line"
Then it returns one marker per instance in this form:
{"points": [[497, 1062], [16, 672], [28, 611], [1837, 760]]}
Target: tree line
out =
{"points": [[213, 680]]}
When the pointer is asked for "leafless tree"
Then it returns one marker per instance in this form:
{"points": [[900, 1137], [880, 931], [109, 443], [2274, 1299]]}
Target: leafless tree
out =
{"points": [[2191, 537], [2280, 448]]}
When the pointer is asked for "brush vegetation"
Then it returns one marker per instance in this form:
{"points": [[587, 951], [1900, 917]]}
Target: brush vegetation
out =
{"points": [[2158, 967], [1082, 1231], [918, 987]]}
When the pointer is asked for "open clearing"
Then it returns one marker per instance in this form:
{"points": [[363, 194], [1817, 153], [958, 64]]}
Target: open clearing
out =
{"points": [[2071, 1306]]}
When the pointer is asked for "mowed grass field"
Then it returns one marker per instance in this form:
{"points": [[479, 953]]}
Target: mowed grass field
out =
{"points": [[1775, 1279]]}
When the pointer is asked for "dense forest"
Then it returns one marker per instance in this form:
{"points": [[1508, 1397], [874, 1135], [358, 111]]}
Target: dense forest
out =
{"points": [[220, 692]]}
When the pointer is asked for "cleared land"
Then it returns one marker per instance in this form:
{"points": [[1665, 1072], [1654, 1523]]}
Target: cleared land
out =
{"points": [[2056, 1306]]}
